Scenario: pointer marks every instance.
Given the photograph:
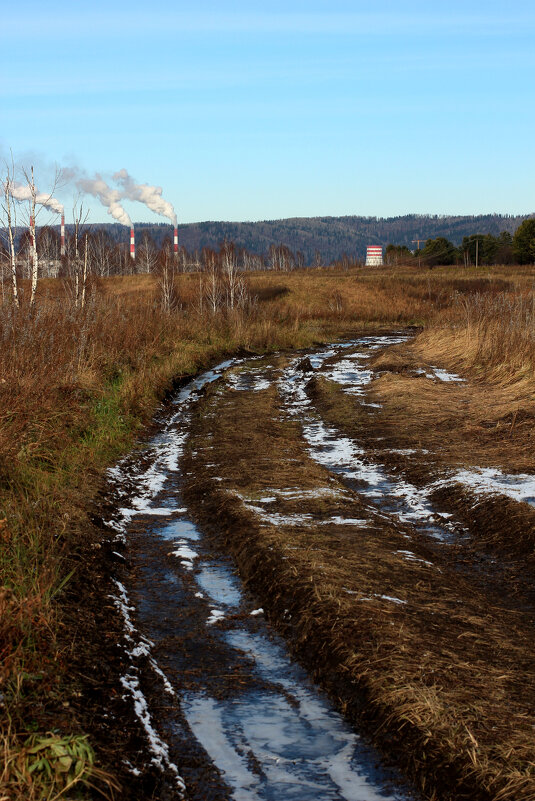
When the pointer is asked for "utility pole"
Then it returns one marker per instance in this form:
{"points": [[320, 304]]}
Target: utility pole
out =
{"points": [[418, 242]]}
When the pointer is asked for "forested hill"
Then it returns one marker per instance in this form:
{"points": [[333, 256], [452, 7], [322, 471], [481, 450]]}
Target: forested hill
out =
{"points": [[327, 238], [332, 236]]}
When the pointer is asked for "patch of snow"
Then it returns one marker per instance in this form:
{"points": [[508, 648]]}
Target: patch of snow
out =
{"points": [[185, 552], [408, 451], [139, 646], [411, 557], [391, 598], [215, 616], [317, 492], [489, 480], [206, 721], [249, 380], [444, 375], [280, 519], [160, 750]]}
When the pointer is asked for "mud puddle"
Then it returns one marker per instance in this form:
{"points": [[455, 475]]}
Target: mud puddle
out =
{"points": [[226, 711]]}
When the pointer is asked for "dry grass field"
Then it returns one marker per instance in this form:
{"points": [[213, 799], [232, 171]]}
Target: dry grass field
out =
{"points": [[77, 386]]}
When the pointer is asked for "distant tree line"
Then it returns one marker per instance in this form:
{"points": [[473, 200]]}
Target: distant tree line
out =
{"points": [[103, 251], [320, 240], [475, 249]]}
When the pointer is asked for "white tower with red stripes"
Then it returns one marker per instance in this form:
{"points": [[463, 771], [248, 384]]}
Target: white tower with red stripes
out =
{"points": [[374, 256], [62, 235], [132, 244], [175, 242]]}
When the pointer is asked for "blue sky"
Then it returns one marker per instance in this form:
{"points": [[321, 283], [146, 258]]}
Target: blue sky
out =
{"points": [[255, 110]]}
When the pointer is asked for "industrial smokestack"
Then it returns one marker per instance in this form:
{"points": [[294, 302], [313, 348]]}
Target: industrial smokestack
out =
{"points": [[62, 234], [132, 244], [175, 243]]}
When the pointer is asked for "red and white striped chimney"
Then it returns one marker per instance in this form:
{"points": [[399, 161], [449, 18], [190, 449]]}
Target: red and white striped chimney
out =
{"points": [[175, 242], [132, 244], [62, 235]]}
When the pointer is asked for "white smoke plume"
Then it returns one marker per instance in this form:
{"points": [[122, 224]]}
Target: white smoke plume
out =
{"points": [[108, 197], [49, 202], [151, 196], [24, 192]]}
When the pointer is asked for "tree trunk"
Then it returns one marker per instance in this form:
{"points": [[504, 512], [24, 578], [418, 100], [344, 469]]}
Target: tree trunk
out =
{"points": [[12, 257], [35, 262]]}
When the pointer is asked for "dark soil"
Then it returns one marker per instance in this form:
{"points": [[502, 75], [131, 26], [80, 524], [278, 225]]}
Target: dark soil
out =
{"points": [[97, 661]]}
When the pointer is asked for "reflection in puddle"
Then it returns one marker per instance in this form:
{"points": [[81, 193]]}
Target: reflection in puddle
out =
{"points": [[219, 584], [179, 529], [271, 659], [297, 756]]}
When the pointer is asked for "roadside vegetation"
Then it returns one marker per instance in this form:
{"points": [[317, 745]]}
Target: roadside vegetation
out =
{"points": [[83, 364]]}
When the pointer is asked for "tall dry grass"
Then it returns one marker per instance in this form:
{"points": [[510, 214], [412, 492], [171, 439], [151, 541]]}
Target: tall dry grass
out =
{"points": [[492, 335]]}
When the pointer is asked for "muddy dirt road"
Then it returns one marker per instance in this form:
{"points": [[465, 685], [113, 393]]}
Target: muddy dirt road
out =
{"points": [[268, 518]]}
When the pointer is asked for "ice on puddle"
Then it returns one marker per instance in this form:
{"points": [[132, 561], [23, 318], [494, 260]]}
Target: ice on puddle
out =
{"points": [[220, 584], [343, 455], [317, 492], [407, 451], [305, 750], [179, 530]]}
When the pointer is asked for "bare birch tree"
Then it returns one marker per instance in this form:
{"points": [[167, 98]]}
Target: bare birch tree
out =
{"points": [[84, 275], [169, 300], [101, 253], [230, 271], [32, 205], [146, 254], [212, 289], [10, 212]]}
